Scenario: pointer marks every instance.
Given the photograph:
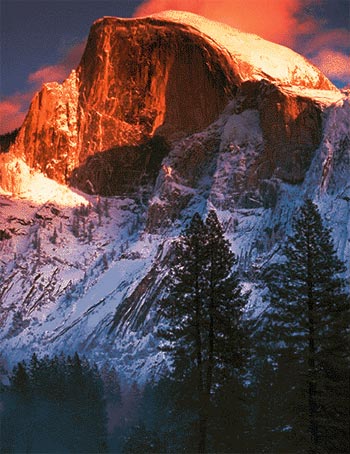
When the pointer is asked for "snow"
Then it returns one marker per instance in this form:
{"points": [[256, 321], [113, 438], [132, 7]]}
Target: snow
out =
{"points": [[240, 130], [36, 188], [323, 97], [114, 282], [266, 59]]}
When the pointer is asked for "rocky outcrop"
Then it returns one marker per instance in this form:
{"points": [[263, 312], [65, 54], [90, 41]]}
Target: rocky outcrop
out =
{"points": [[149, 77], [291, 125], [292, 130], [47, 140], [136, 79]]}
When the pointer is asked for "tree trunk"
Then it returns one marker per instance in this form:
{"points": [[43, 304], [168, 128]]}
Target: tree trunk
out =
{"points": [[210, 367], [202, 444], [313, 429], [202, 441]]}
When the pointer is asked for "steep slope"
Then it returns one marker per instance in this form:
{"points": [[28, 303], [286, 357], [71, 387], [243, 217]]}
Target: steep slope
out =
{"points": [[251, 57]]}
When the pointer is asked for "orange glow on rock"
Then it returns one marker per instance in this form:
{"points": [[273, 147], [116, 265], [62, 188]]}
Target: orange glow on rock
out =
{"points": [[167, 170]]}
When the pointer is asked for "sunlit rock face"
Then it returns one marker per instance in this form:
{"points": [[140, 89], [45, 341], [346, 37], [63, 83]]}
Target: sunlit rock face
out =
{"points": [[170, 75], [141, 77], [47, 140]]}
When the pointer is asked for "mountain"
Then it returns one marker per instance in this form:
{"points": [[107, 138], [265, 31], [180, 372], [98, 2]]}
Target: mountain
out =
{"points": [[164, 116]]}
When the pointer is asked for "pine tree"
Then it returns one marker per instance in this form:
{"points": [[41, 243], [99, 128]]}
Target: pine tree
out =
{"points": [[204, 334], [54, 405], [20, 382], [18, 409], [310, 324], [225, 305], [111, 385], [143, 441]]}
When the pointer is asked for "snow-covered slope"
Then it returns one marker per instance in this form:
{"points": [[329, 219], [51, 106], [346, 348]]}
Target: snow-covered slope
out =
{"points": [[94, 288]]}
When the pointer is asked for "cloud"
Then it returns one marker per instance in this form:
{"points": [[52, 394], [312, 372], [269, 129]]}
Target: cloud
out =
{"points": [[13, 108], [54, 73], [279, 21], [337, 38], [10, 115], [60, 71], [334, 64]]}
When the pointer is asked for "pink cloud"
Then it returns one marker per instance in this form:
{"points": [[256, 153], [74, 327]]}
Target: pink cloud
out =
{"points": [[10, 116], [60, 71], [334, 64], [54, 73], [276, 21], [13, 108]]}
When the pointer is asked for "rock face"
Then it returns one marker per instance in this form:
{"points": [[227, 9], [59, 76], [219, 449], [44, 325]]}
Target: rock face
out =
{"points": [[170, 75], [291, 125], [121, 170], [48, 137], [292, 130], [150, 77]]}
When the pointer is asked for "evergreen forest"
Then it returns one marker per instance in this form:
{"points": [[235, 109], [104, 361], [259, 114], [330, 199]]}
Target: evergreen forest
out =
{"points": [[278, 382]]}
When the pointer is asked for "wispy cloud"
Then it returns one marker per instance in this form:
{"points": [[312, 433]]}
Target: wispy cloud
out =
{"points": [[60, 71], [11, 116], [336, 39], [13, 110]]}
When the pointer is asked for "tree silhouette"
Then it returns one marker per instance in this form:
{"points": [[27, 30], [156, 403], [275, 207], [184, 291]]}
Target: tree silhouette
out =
{"points": [[204, 334], [309, 329]]}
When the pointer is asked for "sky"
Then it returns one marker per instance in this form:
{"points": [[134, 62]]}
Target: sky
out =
{"points": [[43, 40]]}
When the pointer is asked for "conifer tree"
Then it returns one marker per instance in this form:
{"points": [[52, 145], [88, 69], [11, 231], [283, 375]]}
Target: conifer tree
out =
{"points": [[142, 441], [54, 405], [204, 334], [20, 380], [111, 384], [225, 305], [309, 323]]}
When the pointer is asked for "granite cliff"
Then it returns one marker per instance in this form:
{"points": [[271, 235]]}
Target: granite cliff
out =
{"points": [[170, 75]]}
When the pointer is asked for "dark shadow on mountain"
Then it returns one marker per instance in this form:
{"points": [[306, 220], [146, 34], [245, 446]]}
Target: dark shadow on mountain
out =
{"points": [[6, 140], [121, 170]]}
